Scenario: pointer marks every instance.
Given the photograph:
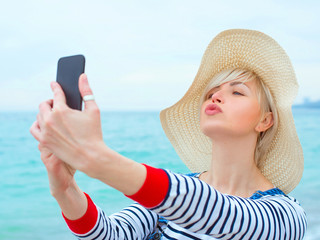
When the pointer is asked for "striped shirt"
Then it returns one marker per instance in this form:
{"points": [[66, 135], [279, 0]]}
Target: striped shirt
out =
{"points": [[192, 209]]}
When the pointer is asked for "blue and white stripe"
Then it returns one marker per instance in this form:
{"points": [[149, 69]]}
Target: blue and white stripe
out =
{"points": [[195, 210]]}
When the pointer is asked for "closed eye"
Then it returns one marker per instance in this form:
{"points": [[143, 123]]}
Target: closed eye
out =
{"points": [[237, 93], [209, 96]]}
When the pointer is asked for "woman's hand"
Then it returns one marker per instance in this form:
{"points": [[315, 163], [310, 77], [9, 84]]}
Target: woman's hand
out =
{"points": [[71, 135], [75, 137], [60, 174], [63, 186]]}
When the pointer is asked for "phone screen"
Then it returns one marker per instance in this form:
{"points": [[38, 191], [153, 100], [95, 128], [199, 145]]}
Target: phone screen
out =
{"points": [[69, 70]]}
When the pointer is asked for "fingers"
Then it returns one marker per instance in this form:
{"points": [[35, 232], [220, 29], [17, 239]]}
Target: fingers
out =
{"points": [[40, 121], [35, 131], [40, 147], [59, 97], [50, 102], [85, 90], [46, 107], [45, 110]]}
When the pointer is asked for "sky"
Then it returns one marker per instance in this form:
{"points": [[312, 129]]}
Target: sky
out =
{"points": [[141, 55]]}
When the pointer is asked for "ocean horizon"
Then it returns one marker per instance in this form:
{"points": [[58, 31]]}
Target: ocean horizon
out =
{"points": [[30, 212]]}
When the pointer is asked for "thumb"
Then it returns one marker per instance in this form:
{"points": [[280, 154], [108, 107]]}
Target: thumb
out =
{"points": [[86, 91]]}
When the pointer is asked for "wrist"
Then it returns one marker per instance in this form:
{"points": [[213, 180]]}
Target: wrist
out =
{"points": [[60, 193], [72, 201], [98, 157], [115, 170]]}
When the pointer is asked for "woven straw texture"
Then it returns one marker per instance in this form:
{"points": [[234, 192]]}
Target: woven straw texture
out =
{"points": [[259, 53]]}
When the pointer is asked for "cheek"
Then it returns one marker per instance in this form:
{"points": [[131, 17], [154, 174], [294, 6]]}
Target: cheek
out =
{"points": [[248, 116]]}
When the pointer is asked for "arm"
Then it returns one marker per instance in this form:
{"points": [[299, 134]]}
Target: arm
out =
{"points": [[63, 186], [84, 219], [196, 206], [133, 222]]}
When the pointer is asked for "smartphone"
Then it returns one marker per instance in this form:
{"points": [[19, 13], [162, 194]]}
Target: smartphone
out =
{"points": [[69, 70]]}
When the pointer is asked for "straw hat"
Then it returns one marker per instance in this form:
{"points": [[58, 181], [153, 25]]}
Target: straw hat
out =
{"points": [[259, 53]]}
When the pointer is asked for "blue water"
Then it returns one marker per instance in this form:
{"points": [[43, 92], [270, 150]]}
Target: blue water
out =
{"points": [[29, 212]]}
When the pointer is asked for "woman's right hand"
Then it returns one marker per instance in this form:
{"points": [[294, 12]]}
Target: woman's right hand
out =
{"points": [[60, 174], [63, 186]]}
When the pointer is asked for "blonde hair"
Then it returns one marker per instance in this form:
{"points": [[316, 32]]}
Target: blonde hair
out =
{"points": [[265, 100]]}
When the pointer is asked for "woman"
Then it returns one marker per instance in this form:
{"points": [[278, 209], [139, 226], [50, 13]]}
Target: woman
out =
{"points": [[233, 128]]}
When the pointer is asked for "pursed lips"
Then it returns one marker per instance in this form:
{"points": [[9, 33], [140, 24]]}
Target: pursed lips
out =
{"points": [[212, 109]]}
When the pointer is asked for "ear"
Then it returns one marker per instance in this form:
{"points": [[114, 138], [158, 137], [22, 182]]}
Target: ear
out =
{"points": [[265, 123]]}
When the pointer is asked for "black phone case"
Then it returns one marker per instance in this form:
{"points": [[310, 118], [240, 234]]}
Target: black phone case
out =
{"points": [[69, 70]]}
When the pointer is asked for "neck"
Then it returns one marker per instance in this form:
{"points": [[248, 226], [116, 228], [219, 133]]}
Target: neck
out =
{"points": [[233, 170]]}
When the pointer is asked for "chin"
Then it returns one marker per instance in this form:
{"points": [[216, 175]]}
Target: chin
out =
{"points": [[212, 130]]}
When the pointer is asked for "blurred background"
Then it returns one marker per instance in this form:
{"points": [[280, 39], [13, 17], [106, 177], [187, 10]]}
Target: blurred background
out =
{"points": [[141, 56]]}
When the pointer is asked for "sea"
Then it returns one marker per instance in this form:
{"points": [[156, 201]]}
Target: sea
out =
{"points": [[28, 211]]}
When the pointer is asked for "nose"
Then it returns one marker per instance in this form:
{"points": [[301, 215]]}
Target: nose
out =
{"points": [[217, 97]]}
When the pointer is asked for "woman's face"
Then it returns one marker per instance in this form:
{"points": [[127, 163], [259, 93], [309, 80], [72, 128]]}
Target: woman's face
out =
{"points": [[230, 109]]}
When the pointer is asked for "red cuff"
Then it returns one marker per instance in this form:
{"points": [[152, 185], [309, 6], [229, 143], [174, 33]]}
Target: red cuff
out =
{"points": [[154, 188], [87, 221]]}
